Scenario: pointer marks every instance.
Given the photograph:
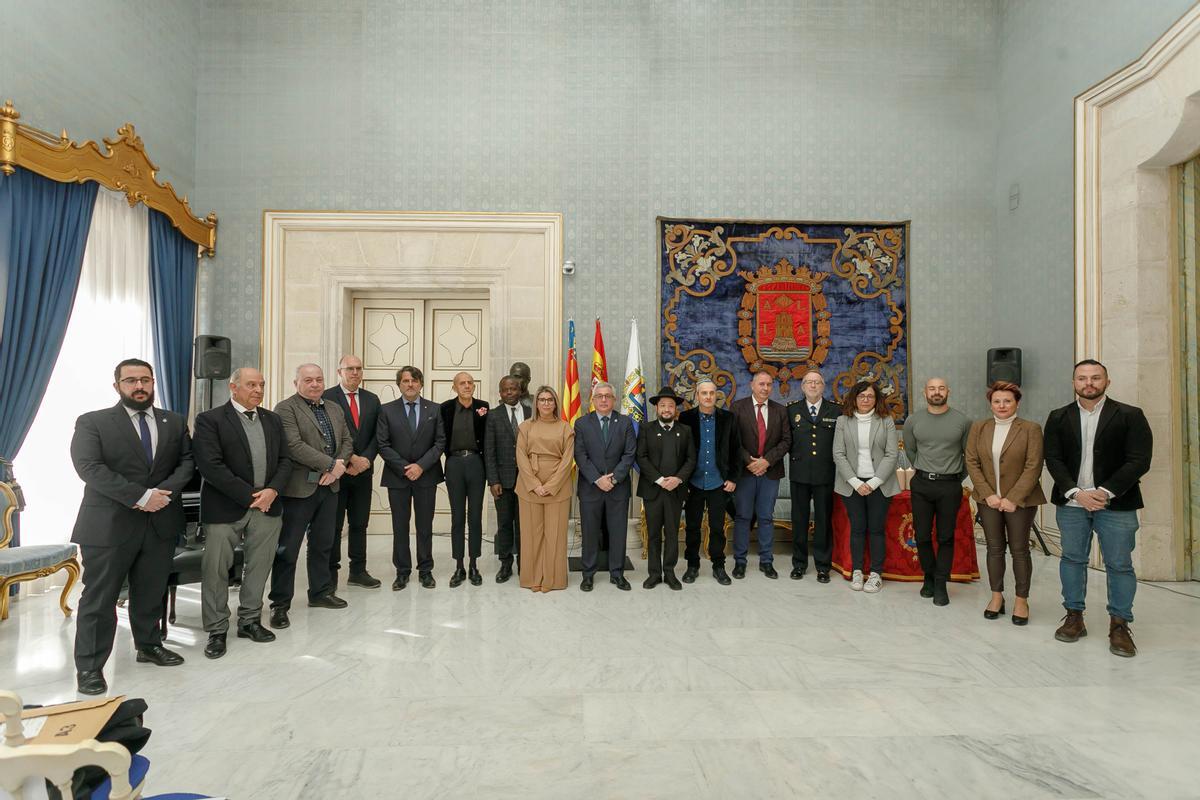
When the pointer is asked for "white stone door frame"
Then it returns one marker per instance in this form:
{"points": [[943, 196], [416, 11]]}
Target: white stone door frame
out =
{"points": [[313, 261], [1130, 129]]}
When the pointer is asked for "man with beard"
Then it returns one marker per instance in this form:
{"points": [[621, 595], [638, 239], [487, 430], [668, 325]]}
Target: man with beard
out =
{"points": [[666, 458], [1096, 450], [134, 460], [935, 440]]}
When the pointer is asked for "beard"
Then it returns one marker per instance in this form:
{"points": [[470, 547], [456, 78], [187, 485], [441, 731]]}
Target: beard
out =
{"points": [[138, 405], [936, 401], [1089, 392]]}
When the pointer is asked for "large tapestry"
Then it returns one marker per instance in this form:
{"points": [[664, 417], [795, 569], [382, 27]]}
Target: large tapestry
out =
{"points": [[740, 296]]}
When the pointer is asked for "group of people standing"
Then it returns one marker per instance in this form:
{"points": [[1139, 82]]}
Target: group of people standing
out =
{"points": [[303, 471]]}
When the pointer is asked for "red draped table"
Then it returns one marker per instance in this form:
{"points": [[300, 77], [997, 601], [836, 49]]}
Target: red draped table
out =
{"points": [[901, 562]]}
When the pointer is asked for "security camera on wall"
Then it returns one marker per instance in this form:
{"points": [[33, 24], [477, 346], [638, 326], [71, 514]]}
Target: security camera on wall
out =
{"points": [[568, 267]]}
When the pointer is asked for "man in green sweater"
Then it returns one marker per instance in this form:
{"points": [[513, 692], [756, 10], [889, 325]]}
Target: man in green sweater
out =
{"points": [[934, 440]]}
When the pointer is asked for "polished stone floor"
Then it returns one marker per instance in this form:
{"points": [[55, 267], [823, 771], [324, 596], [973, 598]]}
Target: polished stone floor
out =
{"points": [[761, 689]]}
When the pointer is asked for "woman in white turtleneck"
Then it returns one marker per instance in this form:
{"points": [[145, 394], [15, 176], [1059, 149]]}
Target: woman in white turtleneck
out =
{"points": [[865, 450], [1004, 460]]}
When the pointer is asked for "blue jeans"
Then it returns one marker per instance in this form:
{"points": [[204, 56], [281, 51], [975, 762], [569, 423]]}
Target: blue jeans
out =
{"points": [[1116, 531], [755, 496]]}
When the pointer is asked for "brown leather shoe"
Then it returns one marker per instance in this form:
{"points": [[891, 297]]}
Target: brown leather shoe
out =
{"points": [[1072, 628], [1120, 640]]}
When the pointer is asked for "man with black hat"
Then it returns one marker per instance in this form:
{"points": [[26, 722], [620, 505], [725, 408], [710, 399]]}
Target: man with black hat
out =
{"points": [[666, 459]]}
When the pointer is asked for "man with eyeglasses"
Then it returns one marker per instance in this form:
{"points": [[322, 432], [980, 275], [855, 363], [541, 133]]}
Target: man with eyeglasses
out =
{"points": [[134, 460], [811, 470]]}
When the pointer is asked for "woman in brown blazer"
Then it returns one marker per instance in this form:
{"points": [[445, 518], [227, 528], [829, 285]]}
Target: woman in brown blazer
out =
{"points": [[1010, 447]]}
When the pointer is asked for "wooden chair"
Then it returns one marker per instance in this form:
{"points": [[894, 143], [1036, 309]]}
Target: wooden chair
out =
{"points": [[30, 562]]}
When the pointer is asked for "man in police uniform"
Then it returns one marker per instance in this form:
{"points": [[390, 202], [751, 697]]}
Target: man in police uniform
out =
{"points": [[811, 470]]}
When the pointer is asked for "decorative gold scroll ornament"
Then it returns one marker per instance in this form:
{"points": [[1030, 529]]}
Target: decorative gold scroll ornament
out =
{"points": [[783, 323], [123, 167]]}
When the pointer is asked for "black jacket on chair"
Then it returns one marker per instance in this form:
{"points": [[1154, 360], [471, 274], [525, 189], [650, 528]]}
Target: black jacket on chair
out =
{"points": [[365, 443], [1121, 454], [811, 458], [223, 458], [728, 458]]}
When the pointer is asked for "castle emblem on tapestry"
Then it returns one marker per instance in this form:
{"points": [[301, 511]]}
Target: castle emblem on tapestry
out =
{"points": [[738, 297]]}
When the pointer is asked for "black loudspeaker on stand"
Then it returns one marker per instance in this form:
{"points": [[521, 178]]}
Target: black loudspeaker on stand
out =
{"points": [[1004, 364], [212, 360]]}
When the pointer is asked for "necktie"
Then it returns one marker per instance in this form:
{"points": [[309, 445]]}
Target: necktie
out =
{"points": [[147, 443], [512, 416], [812, 411], [354, 408], [412, 415], [604, 429], [249, 415], [762, 430]]}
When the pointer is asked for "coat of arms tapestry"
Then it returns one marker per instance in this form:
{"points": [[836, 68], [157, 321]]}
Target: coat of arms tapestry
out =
{"points": [[739, 296]]}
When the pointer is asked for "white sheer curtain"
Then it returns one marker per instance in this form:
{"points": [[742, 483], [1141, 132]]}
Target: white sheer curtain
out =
{"points": [[110, 321]]}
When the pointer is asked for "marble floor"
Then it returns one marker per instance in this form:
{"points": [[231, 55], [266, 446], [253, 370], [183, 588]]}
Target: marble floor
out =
{"points": [[760, 689]]}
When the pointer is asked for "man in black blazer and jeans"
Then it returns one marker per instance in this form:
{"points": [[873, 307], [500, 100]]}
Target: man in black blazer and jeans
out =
{"points": [[134, 460], [243, 456], [1096, 450], [713, 481], [361, 409]]}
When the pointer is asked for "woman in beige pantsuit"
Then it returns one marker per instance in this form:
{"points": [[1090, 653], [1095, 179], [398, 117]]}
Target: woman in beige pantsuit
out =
{"points": [[545, 455]]}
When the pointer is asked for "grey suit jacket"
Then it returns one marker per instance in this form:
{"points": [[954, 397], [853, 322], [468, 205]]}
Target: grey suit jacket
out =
{"points": [[594, 458], [306, 446], [399, 446], [885, 453], [500, 446]]}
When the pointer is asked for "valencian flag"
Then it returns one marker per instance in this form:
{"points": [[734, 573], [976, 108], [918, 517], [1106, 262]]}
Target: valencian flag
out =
{"points": [[633, 395], [570, 397], [599, 364]]}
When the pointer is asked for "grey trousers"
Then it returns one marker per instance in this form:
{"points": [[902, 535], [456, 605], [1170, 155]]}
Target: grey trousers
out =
{"points": [[261, 535]]}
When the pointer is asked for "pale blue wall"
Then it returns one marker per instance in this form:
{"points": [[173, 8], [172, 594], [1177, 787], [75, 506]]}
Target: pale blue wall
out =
{"points": [[1049, 53]]}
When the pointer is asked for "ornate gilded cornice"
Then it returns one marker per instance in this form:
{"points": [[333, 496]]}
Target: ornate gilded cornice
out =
{"points": [[122, 166]]}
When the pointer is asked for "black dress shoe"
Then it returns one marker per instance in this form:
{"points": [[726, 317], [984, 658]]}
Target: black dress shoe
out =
{"points": [[927, 586], [722, 576], [822, 577], [504, 574], [457, 578], [768, 570], [652, 581], [329, 600], [739, 571], [400, 582], [797, 574], [988, 614], [940, 596], [216, 646], [586, 584], [363, 579], [427, 580], [91, 681], [672, 581], [255, 632], [620, 582], [1020, 620], [474, 577], [690, 574], [157, 654], [279, 618]]}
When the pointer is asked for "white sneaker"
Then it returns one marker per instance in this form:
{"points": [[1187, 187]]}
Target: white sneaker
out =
{"points": [[874, 583], [856, 581]]}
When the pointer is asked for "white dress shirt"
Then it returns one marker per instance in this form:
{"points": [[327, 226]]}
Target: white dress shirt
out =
{"points": [[1088, 420]]}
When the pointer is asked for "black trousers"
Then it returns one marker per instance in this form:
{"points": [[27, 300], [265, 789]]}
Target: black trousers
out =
{"points": [[353, 501], [465, 485], [715, 501], [508, 527], [935, 506], [592, 514], [404, 501], [821, 497], [145, 559], [868, 516], [315, 516], [662, 532]]}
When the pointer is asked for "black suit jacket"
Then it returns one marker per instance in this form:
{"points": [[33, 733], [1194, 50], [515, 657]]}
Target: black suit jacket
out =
{"points": [[779, 435], [1121, 455], [811, 459], [399, 446], [447, 411], [365, 443], [728, 457], [223, 459], [664, 454], [595, 458], [500, 446], [108, 456]]}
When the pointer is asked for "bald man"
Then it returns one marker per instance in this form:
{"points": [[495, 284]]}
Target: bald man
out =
{"points": [[465, 420]]}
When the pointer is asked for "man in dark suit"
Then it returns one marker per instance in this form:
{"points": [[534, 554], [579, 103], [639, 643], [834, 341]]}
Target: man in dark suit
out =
{"points": [[464, 419], [666, 458], [1096, 451], [811, 471], [764, 439], [241, 452], [500, 465], [361, 409], [714, 435], [319, 444], [134, 460], [605, 448], [411, 442]]}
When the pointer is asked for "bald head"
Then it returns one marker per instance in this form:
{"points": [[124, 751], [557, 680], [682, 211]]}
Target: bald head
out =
{"points": [[246, 387], [309, 382], [464, 387], [937, 395]]}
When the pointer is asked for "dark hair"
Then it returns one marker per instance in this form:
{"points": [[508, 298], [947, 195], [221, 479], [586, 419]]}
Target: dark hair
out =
{"points": [[416, 374], [130, 362], [850, 404], [1004, 386], [1089, 362]]}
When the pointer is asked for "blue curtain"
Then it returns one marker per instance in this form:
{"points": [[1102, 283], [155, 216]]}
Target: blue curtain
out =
{"points": [[173, 261]]}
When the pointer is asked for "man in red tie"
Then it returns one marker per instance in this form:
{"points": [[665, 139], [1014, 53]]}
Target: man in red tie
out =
{"points": [[765, 439], [354, 499]]}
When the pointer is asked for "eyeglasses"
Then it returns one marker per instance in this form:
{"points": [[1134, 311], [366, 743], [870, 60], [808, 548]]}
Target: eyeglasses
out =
{"points": [[131, 382]]}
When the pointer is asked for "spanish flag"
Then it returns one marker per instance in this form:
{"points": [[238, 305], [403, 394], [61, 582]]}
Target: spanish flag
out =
{"points": [[599, 364], [570, 398]]}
